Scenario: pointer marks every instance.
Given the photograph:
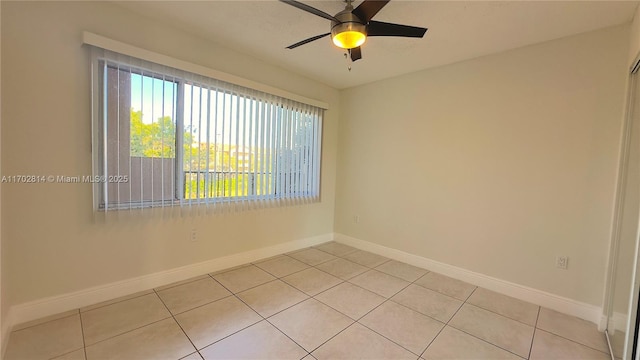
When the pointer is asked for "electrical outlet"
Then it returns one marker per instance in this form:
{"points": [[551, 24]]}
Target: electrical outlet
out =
{"points": [[562, 262], [356, 219], [193, 236]]}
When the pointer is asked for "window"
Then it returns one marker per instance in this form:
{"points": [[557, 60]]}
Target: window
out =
{"points": [[166, 137]]}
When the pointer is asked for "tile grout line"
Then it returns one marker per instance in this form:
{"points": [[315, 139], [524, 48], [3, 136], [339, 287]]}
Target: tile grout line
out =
{"points": [[573, 341], [270, 281], [316, 266], [309, 266], [124, 298], [330, 338], [565, 338], [471, 304], [84, 349], [341, 281], [310, 248], [448, 321], [535, 327], [176, 321], [249, 288], [289, 337], [474, 336], [500, 315], [369, 268], [357, 321], [384, 336], [199, 306], [263, 318], [535, 330], [229, 335], [341, 257], [505, 316], [277, 328], [464, 302], [280, 277], [390, 298], [323, 291], [430, 317], [45, 322], [84, 344], [180, 283], [490, 343], [390, 260], [387, 300], [128, 331], [202, 277], [233, 268], [431, 342], [345, 254]]}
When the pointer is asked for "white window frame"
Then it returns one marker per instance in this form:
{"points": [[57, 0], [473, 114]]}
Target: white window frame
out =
{"points": [[100, 189]]}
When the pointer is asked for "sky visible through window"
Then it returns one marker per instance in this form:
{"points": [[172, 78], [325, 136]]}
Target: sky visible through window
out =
{"points": [[157, 98]]}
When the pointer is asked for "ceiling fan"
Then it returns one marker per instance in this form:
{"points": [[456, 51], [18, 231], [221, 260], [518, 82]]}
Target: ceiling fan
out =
{"points": [[350, 27]]}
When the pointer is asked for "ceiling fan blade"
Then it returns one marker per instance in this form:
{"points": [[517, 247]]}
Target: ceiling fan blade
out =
{"points": [[368, 9], [310, 9], [307, 41], [378, 28], [355, 53]]}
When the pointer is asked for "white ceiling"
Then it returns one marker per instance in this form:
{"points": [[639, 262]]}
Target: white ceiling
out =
{"points": [[458, 30]]}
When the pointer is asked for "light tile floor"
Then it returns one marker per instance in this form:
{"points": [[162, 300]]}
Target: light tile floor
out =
{"points": [[330, 301]]}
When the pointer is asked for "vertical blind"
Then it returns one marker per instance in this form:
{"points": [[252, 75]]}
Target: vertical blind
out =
{"points": [[168, 137]]}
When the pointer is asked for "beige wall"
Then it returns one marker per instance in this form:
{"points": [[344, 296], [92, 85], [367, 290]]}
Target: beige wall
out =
{"points": [[495, 165], [54, 245], [634, 41]]}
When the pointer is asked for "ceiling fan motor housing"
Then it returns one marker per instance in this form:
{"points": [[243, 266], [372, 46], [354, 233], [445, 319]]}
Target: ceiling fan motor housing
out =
{"points": [[350, 32]]}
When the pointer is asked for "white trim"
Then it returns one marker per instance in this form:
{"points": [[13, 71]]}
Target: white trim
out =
{"points": [[56, 304], [620, 193], [564, 305], [134, 51], [604, 323], [633, 302], [619, 321]]}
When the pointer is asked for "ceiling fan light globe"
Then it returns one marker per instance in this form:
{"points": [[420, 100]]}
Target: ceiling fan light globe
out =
{"points": [[349, 33], [349, 39]]}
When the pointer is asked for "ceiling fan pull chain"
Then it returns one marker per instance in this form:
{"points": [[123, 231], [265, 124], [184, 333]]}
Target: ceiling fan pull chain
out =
{"points": [[347, 56]]}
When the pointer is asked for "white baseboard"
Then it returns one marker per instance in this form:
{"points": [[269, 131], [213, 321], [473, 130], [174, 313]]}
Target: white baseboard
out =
{"points": [[564, 305], [56, 304], [33, 310]]}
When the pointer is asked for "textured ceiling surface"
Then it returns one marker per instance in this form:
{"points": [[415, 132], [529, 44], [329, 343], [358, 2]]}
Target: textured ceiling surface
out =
{"points": [[458, 30]]}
